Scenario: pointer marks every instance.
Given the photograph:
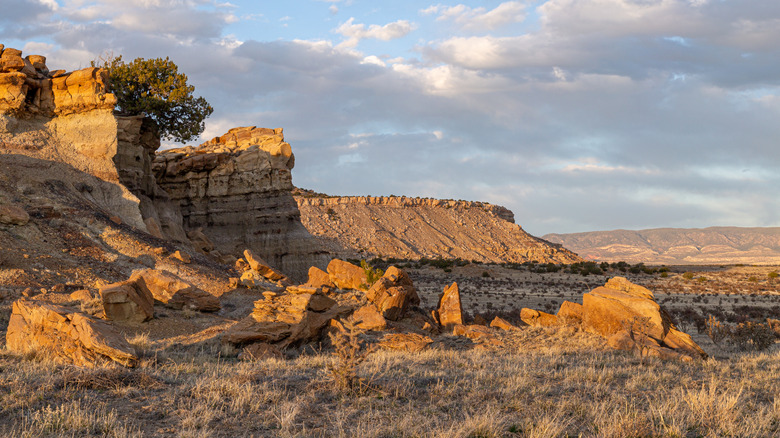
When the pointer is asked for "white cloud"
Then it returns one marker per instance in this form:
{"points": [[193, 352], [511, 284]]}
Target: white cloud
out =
{"points": [[480, 19], [357, 32]]}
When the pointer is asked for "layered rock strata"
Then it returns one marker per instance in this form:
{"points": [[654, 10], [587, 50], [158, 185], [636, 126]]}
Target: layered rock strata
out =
{"points": [[237, 188], [412, 228]]}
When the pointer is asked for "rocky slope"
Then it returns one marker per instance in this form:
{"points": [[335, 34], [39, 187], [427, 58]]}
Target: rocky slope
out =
{"points": [[412, 228], [699, 246]]}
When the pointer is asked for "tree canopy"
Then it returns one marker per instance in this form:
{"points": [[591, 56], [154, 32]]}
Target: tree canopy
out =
{"points": [[155, 87]]}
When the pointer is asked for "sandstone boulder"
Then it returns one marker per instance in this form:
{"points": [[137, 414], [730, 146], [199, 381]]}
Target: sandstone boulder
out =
{"points": [[393, 293], [536, 318], [174, 292], [82, 295], [503, 324], [449, 311], [345, 275], [200, 241], [128, 301], [182, 257], [369, 318], [622, 284], [319, 278], [409, 342], [285, 320], [13, 215], [70, 337], [261, 267], [569, 313]]}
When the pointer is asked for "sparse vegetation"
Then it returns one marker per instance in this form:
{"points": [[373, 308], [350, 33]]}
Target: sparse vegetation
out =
{"points": [[372, 274]]}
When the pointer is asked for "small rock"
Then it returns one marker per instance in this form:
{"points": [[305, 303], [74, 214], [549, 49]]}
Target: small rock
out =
{"points": [[13, 215], [182, 256], [503, 324]]}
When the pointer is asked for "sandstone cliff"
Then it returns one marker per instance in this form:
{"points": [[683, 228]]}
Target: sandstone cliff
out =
{"points": [[237, 188], [403, 227], [677, 246]]}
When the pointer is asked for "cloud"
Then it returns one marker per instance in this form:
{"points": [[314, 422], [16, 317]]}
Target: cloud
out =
{"points": [[479, 19], [25, 11], [357, 32]]}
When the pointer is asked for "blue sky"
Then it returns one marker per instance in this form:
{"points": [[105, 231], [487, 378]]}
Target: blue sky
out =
{"points": [[578, 115]]}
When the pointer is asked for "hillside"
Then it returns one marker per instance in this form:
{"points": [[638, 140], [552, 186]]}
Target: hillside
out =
{"points": [[412, 228], [697, 246]]}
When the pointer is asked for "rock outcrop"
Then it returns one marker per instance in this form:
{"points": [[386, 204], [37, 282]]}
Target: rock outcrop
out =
{"points": [[237, 188], [449, 311], [412, 228], [174, 292], [66, 335]]}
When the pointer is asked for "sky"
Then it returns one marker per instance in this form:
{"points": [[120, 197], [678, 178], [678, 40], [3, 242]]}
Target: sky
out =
{"points": [[578, 115]]}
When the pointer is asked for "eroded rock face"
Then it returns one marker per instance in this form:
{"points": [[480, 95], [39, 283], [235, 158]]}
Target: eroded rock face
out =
{"points": [[450, 312], [69, 336], [174, 292], [345, 275], [237, 187]]}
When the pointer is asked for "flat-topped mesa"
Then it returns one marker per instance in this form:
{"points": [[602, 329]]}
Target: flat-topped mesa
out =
{"points": [[413, 228], [238, 188], [27, 87], [406, 201]]}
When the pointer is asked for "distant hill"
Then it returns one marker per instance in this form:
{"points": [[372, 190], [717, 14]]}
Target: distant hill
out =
{"points": [[682, 246]]}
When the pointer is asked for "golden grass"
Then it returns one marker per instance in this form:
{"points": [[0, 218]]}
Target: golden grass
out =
{"points": [[546, 383]]}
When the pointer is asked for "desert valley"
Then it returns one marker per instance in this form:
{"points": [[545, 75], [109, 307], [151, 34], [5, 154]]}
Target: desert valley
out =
{"points": [[197, 292]]}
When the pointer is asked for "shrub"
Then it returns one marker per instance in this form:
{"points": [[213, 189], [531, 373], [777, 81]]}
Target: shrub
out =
{"points": [[348, 353], [688, 275], [372, 274]]}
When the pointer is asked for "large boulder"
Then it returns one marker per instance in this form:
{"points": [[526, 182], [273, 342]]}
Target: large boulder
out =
{"points": [[127, 301], [345, 275], [285, 320], [174, 292], [319, 278], [69, 336], [393, 294], [537, 318], [621, 306], [569, 313], [369, 318], [261, 267], [449, 311]]}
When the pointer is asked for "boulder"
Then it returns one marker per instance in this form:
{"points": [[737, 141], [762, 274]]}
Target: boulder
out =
{"points": [[346, 275], [182, 257], [449, 311], [285, 320], [82, 295], [200, 241], [536, 318], [369, 318], [13, 215], [154, 228], [503, 324], [69, 336], [409, 342], [319, 278], [569, 313], [128, 301], [261, 267], [393, 294], [174, 292]]}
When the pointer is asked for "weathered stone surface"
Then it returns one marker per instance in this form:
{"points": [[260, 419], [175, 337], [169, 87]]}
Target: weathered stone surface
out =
{"points": [[261, 267], [625, 306], [127, 300], [13, 215], [536, 318], [503, 324], [237, 187], [174, 292], [285, 320], [369, 318], [70, 337], [449, 311], [319, 278], [409, 342], [345, 275], [393, 293], [569, 313]]}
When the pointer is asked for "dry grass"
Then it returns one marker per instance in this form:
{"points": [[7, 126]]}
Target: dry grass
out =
{"points": [[548, 383]]}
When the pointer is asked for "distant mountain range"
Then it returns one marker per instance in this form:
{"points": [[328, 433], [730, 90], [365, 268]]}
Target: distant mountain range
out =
{"points": [[679, 246]]}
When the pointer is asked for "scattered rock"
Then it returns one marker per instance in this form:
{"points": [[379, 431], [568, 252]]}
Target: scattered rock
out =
{"points": [[153, 227], [261, 267], [345, 275], [393, 294], [175, 292], [570, 313], [128, 301], [70, 337], [369, 318], [319, 278], [82, 295], [13, 215], [409, 342], [503, 324], [182, 256], [200, 241], [449, 311], [536, 318]]}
